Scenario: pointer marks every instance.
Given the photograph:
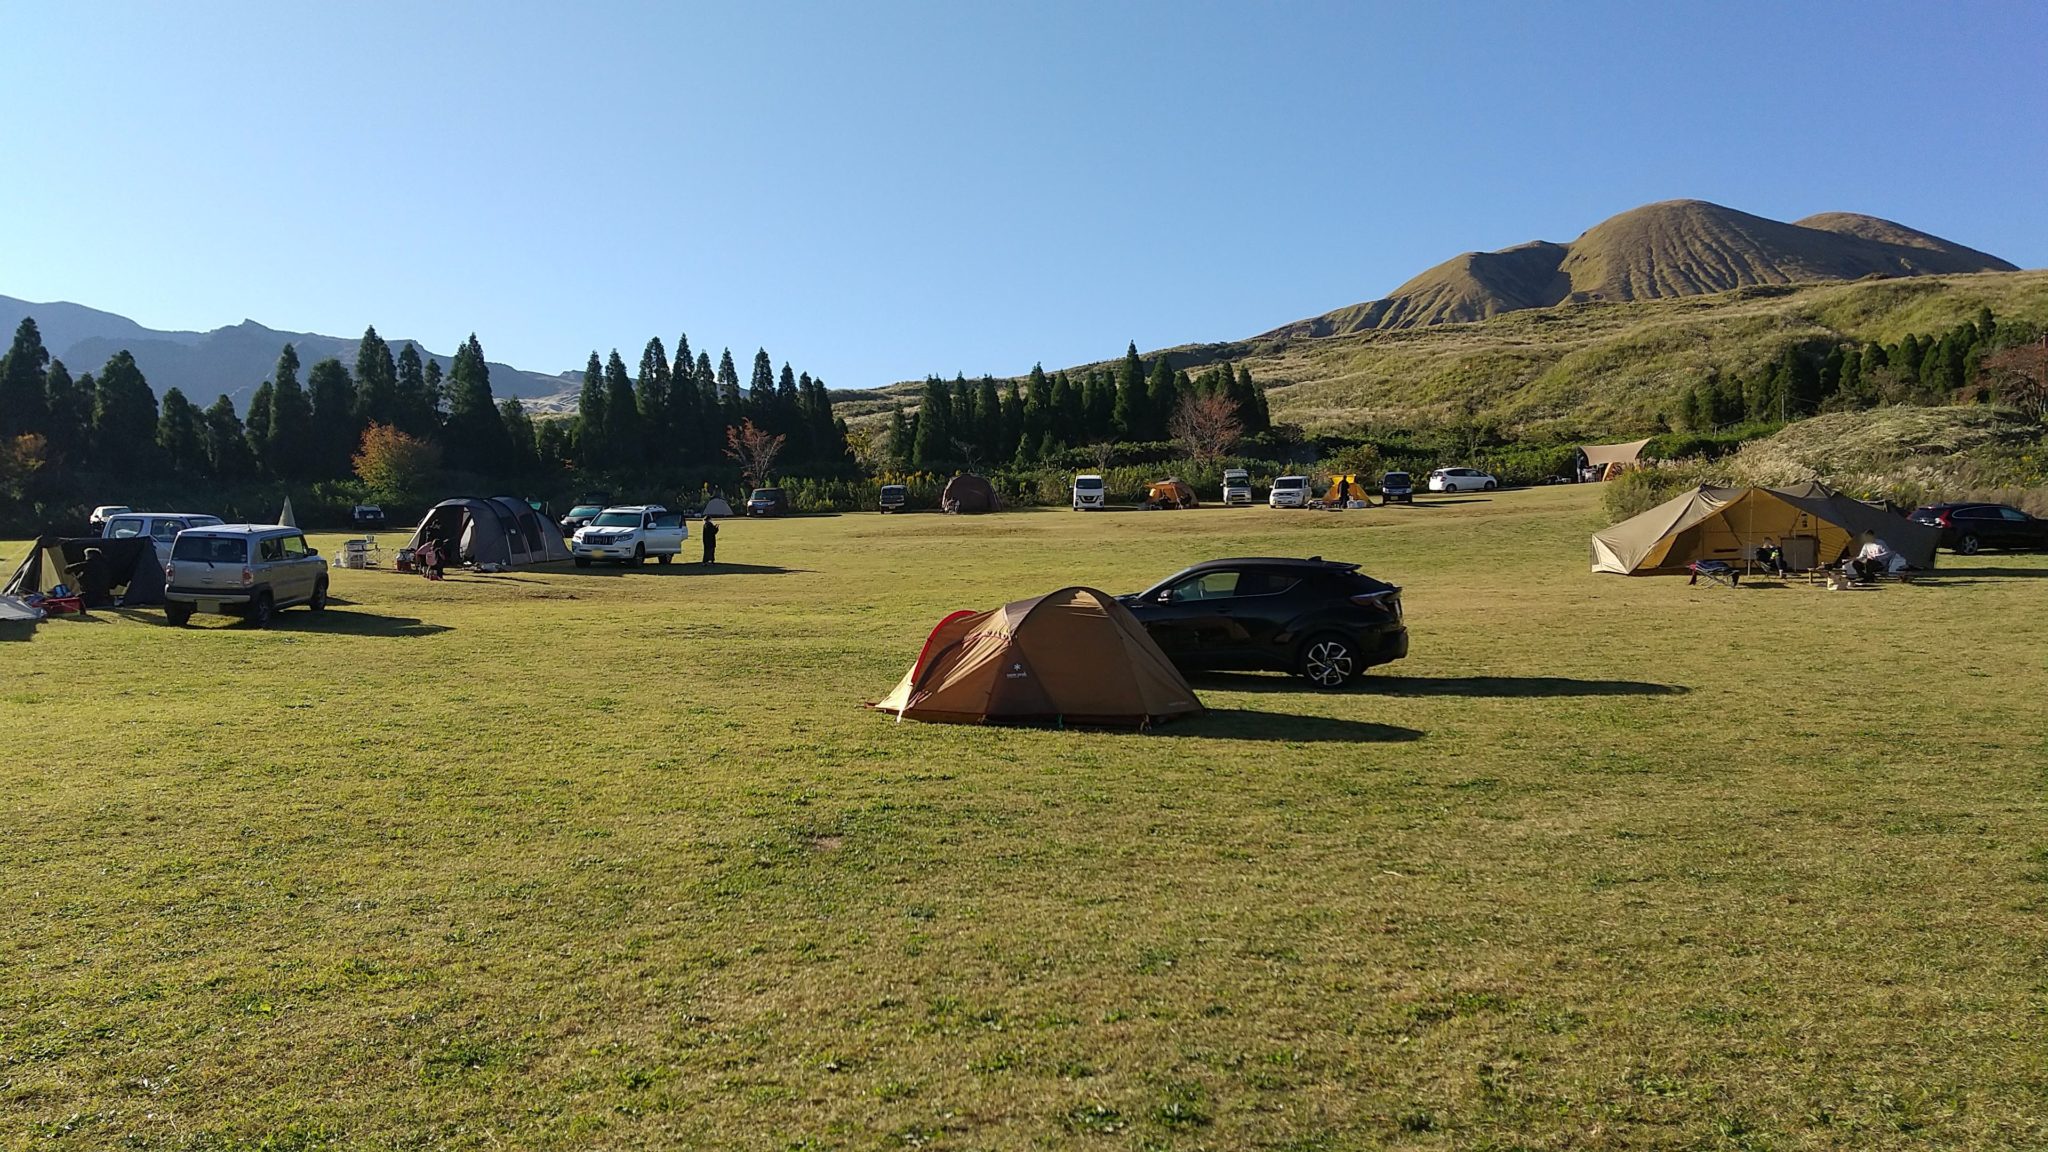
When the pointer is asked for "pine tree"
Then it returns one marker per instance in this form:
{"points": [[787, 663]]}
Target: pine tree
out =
{"points": [[227, 446], [1131, 418], [523, 460], [685, 407], [621, 414], [376, 382], [1161, 397], [788, 421], [1013, 422], [593, 440], [653, 388], [437, 396], [729, 400], [1852, 372], [988, 420], [1689, 416], [68, 411], [934, 442], [123, 418], [21, 382], [1098, 408], [1987, 325], [900, 447], [336, 431], [415, 408], [180, 436], [476, 436], [257, 426], [551, 446], [761, 391], [710, 411], [1258, 418], [290, 450]]}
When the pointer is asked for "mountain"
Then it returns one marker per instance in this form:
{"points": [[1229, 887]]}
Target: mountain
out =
{"points": [[229, 361], [1658, 251]]}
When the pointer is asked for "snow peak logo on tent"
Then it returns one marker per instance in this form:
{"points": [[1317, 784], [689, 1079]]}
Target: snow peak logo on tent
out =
{"points": [[1016, 672]]}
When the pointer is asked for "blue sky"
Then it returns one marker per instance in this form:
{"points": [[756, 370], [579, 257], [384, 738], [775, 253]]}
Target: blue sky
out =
{"points": [[876, 191]]}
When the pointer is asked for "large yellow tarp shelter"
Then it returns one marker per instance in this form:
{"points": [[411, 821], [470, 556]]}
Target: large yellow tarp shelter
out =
{"points": [[1345, 490], [1727, 524]]}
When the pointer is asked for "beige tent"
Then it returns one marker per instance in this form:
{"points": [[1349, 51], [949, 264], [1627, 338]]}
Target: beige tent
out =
{"points": [[1610, 460], [1075, 656], [1170, 493], [1815, 524]]}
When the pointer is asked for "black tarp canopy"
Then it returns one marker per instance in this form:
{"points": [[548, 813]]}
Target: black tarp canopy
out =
{"points": [[134, 573]]}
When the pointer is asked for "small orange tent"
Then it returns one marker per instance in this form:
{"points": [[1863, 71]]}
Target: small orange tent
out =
{"points": [[1171, 493], [1074, 656]]}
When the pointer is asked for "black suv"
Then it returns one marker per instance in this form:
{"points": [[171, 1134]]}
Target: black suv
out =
{"points": [[1971, 528], [1319, 619]]}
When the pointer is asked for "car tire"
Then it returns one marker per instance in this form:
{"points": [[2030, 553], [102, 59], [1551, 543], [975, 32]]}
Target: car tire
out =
{"points": [[583, 561], [179, 615], [1329, 661], [639, 555], [259, 611], [319, 601], [1490, 486], [664, 558], [1969, 545]]}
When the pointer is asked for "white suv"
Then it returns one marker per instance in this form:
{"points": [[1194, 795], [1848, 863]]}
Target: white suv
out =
{"points": [[629, 535], [1461, 480], [1088, 493], [161, 527], [1288, 492]]}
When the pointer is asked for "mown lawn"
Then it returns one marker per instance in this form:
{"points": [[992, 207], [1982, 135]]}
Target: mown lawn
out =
{"points": [[618, 860]]}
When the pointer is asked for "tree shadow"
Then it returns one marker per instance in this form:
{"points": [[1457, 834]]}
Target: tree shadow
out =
{"points": [[1479, 686], [1942, 575], [681, 568], [1285, 728]]}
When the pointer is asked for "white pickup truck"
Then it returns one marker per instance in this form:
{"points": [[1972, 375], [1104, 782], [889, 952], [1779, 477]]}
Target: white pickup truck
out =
{"points": [[1237, 486], [629, 535]]}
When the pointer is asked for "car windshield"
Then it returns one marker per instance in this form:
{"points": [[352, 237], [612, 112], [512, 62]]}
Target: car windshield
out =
{"points": [[1396, 478], [1090, 483], [586, 511], [892, 489], [766, 494], [617, 520], [211, 549]]}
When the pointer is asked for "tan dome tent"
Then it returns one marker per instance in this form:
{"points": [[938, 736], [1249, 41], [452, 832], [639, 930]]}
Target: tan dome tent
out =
{"points": [[1606, 461], [1811, 521], [1171, 493], [499, 530], [968, 494], [1075, 656]]}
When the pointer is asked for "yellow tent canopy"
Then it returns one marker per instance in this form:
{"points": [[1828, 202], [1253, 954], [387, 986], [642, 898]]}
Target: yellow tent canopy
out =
{"points": [[1728, 524], [1171, 493], [1345, 489]]}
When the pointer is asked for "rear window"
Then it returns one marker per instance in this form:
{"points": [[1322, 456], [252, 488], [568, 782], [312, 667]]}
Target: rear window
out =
{"points": [[211, 549]]}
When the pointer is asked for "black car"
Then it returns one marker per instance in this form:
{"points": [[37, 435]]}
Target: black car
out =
{"points": [[1319, 619], [1397, 486], [367, 516], [1971, 528]]}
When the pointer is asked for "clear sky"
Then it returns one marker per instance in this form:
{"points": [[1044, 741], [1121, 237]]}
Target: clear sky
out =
{"points": [[875, 191]]}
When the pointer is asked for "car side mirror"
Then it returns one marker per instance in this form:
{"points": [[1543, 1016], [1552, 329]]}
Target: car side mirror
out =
{"points": [[310, 551]]}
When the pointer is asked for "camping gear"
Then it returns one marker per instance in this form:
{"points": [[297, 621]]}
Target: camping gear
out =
{"points": [[494, 530], [284, 515], [354, 554], [135, 575], [1171, 493], [1074, 656], [1347, 492], [716, 506], [968, 494], [1606, 461], [18, 619], [1727, 524], [1716, 572]]}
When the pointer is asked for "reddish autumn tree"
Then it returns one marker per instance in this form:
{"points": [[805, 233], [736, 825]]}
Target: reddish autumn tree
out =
{"points": [[1206, 424], [755, 449]]}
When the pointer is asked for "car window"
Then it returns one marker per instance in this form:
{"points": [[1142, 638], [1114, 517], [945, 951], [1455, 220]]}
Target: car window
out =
{"points": [[211, 549], [2013, 514], [201, 521], [668, 520], [270, 550], [295, 547], [1207, 586], [121, 528], [166, 530], [1264, 583]]}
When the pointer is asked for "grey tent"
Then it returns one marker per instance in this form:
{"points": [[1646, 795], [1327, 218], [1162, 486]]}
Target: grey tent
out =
{"points": [[716, 506], [492, 530], [1727, 524], [135, 574]]}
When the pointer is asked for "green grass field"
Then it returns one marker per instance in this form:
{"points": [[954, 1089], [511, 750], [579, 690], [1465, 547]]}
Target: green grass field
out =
{"points": [[619, 860]]}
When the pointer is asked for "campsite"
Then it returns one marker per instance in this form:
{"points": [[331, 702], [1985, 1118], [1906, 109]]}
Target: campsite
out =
{"points": [[615, 857]]}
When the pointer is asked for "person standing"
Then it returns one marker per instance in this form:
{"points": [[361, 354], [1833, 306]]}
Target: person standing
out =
{"points": [[710, 541]]}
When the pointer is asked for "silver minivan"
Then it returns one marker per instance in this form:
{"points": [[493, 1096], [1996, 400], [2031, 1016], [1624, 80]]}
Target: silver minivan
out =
{"points": [[160, 527], [247, 570]]}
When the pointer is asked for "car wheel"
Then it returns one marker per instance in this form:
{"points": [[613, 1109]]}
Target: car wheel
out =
{"points": [[1328, 661], [664, 558], [583, 561], [319, 601], [260, 610], [178, 614], [1969, 545], [639, 554], [1490, 486]]}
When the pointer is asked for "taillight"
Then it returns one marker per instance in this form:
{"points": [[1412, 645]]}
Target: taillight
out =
{"points": [[248, 577], [1942, 519], [170, 573]]}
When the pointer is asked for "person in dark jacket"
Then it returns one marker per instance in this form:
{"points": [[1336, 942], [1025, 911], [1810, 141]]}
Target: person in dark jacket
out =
{"points": [[95, 578], [710, 541]]}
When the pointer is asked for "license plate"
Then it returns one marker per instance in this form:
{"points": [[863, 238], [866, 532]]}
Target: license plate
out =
{"points": [[210, 606]]}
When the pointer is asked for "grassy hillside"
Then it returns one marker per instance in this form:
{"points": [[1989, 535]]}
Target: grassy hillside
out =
{"points": [[600, 860]]}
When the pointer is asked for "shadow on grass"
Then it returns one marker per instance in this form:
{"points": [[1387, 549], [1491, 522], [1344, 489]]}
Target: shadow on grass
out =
{"points": [[1285, 728], [682, 568], [344, 623], [1943, 575], [1485, 686]]}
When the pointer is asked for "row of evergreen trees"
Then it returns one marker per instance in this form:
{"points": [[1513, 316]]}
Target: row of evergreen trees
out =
{"points": [[984, 425], [1807, 379]]}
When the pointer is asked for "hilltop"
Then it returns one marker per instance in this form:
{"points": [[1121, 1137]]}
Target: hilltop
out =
{"points": [[1658, 251]]}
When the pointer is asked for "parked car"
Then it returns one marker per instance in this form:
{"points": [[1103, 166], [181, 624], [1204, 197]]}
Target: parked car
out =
{"points": [[629, 535], [1971, 528], [103, 513], [1288, 492], [368, 517], [247, 570], [1320, 619], [161, 527], [578, 516], [767, 502], [1397, 488], [894, 498], [1461, 480], [1237, 486], [1088, 492]]}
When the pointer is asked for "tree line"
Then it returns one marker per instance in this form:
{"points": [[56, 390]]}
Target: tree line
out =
{"points": [[980, 424]]}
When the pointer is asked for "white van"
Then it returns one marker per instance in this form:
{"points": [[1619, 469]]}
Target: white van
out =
{"points": [[160, 527], [1288, 492], [1088, 490], [1237, 486]]}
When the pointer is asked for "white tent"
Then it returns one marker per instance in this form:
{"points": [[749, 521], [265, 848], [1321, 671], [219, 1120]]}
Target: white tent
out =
{"points": [[285, 516]]}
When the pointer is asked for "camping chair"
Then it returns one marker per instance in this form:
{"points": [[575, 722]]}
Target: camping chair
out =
{"points": [[1715, 571]]}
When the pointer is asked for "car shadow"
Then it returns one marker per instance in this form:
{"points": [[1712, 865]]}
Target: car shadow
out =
{"points": [[1286, 728], [1477, 686], [341, 622], [682, 568]]}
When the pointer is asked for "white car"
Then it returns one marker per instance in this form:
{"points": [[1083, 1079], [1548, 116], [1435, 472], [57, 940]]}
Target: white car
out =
{"points": [[1237, 486], [1288, 492], [161, 527], [1088, 490], [629, 535], [104, 513], [1461, 480]]}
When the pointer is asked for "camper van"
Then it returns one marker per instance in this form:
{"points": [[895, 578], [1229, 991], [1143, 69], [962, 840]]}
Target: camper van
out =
{"points": [[1237, 486], [1088, 492]]}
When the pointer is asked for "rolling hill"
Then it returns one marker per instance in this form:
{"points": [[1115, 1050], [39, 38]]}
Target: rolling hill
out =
{"points": [[228, 361]]}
